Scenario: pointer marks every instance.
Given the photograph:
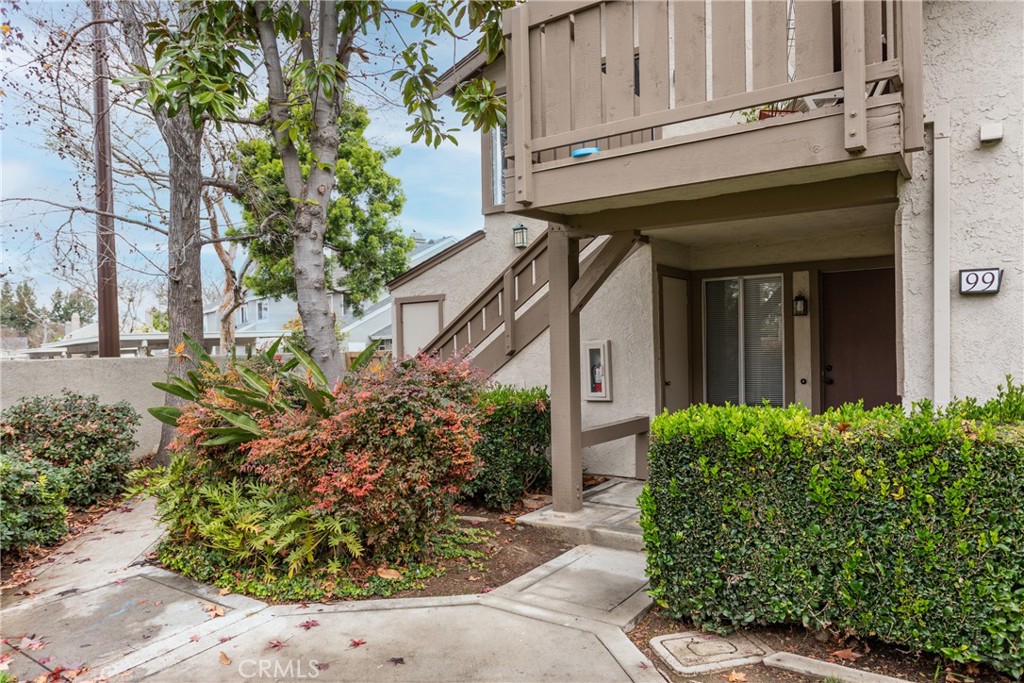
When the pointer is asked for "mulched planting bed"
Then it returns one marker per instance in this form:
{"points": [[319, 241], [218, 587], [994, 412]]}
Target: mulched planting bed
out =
{"points": [[867, 654]]}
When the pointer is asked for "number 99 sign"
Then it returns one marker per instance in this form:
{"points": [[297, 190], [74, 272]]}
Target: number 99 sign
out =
{"points": [[980, 280]]}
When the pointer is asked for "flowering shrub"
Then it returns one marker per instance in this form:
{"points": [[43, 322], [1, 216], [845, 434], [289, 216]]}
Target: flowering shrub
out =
{"points": [[88, 442]]}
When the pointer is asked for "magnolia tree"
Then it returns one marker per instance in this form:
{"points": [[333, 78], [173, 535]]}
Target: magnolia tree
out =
{"points": [[203, 65]]}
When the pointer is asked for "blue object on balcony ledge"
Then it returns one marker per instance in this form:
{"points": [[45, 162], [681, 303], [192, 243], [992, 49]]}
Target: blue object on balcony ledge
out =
{"points": [[584, 152]]}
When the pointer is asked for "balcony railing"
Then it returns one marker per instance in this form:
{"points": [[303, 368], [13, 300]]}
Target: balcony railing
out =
{"points": [[627, 77]]}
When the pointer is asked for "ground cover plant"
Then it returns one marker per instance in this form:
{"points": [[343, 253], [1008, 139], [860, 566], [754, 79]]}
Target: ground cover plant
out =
{"points": [[287, 488], [513, 448], [906, 527]]}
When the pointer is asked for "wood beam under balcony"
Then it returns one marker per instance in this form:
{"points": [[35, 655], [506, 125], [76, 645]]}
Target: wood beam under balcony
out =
{"points": [[859, 191]]}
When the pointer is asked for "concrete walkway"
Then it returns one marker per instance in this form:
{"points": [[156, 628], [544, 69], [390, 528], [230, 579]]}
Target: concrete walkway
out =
{"points": [[609, 517], [101, 606]]}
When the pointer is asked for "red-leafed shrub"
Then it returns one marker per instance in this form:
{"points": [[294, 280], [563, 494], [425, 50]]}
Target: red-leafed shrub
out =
{"points": [[393, 454], [387, 451]]}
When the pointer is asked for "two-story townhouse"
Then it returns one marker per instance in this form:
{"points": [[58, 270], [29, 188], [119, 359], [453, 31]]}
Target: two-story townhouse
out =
{"points": [[739, 201]]}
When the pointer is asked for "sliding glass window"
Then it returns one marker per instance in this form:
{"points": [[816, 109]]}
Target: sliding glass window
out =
{"points": [[743, 340]]}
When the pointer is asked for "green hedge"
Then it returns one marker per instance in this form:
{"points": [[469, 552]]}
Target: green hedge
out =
{"points": [[88, 441], [512, 450], [905, 527], [32, 508]]}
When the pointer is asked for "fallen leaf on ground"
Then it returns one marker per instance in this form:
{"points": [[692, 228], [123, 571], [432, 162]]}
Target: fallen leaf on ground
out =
{"points": [[643, 665], [322, 666], [276, 645], [356, 642], [309, 624], [5, 661], [389, 574], [397, 660], [44, 660], [473, 578], [224, 659], [847, 655], [225, 591], [83, 560], [213, 610], [736, 677], [31, 643], [225, 639], [69, 591], [194, 639], [118, 581]]}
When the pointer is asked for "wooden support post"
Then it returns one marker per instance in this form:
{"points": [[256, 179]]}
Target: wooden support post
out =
{"points": [[911, 49], [566, 425], [643, 445], [518, 45], [508, 311], [855, 136]]}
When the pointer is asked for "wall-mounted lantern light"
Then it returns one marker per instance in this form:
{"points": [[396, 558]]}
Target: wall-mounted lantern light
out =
{"points": [[799, 305], [520, 236]]}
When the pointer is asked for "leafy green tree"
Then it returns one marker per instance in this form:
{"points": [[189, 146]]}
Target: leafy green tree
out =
{"points": [[19, 309], [204, 66], [366, 247], [62, 307]]}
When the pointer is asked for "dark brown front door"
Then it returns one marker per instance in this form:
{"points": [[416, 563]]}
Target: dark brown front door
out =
{"points": [[859, 337]]}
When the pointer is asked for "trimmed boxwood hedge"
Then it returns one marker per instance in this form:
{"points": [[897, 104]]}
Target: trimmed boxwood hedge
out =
{"points": [[909, 528]]}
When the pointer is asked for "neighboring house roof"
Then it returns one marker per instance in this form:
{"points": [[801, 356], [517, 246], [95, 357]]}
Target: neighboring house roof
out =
{"points": [[383, 333], [466, 68], [440, 257]]}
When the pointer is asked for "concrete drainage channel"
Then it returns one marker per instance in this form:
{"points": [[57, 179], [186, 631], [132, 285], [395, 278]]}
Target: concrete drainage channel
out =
{"points": [[694, 653]]}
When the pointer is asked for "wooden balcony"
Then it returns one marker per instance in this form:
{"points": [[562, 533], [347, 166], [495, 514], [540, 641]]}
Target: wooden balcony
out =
{"points": [[687, 99]]}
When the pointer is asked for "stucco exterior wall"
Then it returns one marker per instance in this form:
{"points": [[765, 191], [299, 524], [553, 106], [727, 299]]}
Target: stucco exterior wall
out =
{"points": [[621, 312], [974, 64], [112, 379], [462, 277]]}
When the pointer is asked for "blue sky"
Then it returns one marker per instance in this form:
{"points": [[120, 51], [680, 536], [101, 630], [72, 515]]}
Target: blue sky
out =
{"points": [[442, 185]]}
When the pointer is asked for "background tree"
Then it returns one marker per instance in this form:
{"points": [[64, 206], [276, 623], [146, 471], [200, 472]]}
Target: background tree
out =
{"points": [[366, 246], [19, 309], [305, 49], [62, 307]]}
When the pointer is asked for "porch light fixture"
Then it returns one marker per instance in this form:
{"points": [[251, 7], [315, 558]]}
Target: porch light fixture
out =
{"points": [[799, 305], [520, 236]]}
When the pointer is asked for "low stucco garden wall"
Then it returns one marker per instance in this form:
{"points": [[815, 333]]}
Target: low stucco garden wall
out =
{"points": [[112, 379]]}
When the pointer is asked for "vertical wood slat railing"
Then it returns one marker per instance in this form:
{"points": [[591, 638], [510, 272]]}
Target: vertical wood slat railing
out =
{"points": [[583, 72], [496, 306]]}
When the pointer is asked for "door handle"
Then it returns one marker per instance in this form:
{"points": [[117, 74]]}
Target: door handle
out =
{"points": [[668, 383]]}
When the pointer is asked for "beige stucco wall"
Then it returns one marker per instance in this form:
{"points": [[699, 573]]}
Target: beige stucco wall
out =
{"points": [[974, 64], [112, 379], [462, 277], [622, 312]]}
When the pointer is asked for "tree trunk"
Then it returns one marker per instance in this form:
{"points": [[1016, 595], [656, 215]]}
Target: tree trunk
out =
{"points": [[184, 244], [184, 241]]}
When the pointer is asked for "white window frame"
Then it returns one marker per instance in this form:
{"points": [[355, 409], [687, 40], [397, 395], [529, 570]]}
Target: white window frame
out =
{"points": [[741, 390], [262, 310]]}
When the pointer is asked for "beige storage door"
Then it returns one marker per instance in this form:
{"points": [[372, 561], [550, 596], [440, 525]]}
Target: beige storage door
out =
{"points": [[421, 322]]}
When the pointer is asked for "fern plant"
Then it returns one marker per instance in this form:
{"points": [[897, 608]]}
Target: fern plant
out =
{"points": [[256, 524]]}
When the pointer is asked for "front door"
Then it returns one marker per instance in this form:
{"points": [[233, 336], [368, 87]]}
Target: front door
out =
{"points": [[675, 347], [859, 337]]}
